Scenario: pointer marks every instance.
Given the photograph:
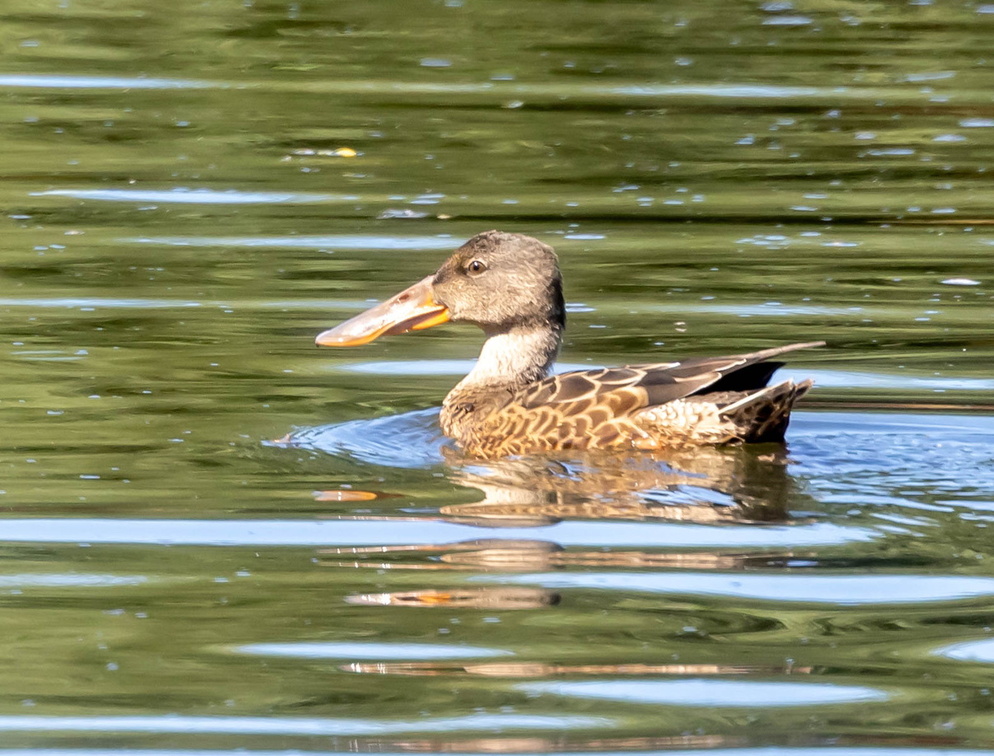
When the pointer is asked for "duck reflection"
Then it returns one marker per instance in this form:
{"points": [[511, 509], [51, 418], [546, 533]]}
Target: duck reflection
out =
{"points": [[746, 485], [710, 485], [519, 670], [462, 598], [505, 556], [705, 486], [730, 484], [699, 486]]}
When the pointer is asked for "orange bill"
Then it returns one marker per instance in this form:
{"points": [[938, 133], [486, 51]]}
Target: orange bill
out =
{"points": [[412, 310]]}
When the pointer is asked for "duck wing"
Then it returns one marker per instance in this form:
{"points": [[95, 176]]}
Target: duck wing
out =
{"points": [[592, 408], [659, 383]]}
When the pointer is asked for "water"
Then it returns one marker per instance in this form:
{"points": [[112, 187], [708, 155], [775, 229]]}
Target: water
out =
{"points": [[218, 539]]}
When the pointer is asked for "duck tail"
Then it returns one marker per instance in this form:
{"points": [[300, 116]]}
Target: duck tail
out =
{"points": [[762, 416]]}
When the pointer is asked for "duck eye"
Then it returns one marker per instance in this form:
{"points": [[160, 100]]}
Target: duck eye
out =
{"points": [[476, 267]]}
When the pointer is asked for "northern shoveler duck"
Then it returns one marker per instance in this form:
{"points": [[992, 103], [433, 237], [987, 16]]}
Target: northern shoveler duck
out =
{"points": [[510, 286]]}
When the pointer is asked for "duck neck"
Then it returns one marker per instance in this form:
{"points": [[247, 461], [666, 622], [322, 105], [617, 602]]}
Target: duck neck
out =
{"points": [[514, 358]]}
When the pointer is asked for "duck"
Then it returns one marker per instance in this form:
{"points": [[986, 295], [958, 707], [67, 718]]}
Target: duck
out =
{"points": [[510, 286]]}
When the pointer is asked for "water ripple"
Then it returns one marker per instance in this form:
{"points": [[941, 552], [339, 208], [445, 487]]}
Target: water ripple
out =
{"points": [[70, 581], [369, 651], [497, 90], [63, 81], [191, 196], [388, 531], [94, 302], [718, 693], [842, 590], [293, 726], [824, 378], [433, 367], [975, 651], [377, 243]]}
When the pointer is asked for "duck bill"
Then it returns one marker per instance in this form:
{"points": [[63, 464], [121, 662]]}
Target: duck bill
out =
{"points": [[412, 310]]}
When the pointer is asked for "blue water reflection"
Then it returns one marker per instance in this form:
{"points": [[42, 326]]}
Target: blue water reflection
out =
{"points": [[718, 693], [975, 651], [369, 651], [840, 590], [403, 530], [271, 725]]}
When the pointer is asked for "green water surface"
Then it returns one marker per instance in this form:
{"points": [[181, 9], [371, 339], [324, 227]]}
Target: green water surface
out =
{"points": [[190, 191]]}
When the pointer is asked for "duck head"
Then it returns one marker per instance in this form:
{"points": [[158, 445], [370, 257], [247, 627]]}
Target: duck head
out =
{"points": [[498, 281]]}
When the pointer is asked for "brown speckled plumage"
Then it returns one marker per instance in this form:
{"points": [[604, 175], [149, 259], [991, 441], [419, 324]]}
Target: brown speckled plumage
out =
{"points": [[639, 407], [510, 286]]}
